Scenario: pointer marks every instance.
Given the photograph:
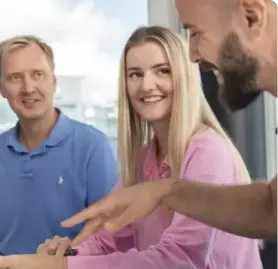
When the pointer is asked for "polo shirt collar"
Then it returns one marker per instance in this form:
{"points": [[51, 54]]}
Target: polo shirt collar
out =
{"points": [[60, 132]]}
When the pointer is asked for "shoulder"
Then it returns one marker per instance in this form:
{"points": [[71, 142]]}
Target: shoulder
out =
{"points": [[84, 129], [87, 133], [6, 134], [90, 141], [211, 143], [209, 137], [210, 155]]}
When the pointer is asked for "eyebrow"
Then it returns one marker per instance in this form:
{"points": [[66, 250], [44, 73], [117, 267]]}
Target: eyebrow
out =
{"points": [[22, 71], [154, 66], [13, 73]]}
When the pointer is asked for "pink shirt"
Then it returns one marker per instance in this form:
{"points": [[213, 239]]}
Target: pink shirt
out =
{"points": [[185, 243]]}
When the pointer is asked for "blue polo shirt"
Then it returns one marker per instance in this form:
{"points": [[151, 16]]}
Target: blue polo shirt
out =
{"points": [[73, 168]]}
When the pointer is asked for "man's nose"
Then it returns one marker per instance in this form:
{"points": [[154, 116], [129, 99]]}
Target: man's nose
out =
{"points": [[194, 54], [28, 84]]}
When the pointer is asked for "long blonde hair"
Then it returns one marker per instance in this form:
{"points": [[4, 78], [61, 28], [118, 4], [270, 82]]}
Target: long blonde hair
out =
{"points": [[190, 109]]}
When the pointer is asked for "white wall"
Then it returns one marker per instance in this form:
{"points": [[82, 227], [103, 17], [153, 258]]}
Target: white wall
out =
{"points": [[270, 110], [163, 12]]}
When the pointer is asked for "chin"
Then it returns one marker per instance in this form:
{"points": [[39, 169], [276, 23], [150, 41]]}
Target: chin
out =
{"points": [[154, 119], [31, 116]]}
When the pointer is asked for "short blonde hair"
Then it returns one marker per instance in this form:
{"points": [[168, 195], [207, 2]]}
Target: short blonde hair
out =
{"points": [[24, 41]]}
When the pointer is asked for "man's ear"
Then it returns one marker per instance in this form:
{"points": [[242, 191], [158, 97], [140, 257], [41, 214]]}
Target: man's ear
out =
{"points": [[254, 14], [2, 92]]}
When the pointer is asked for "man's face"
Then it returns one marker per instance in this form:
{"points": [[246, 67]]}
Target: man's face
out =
{"points": [[216, 46], [27, 82]]}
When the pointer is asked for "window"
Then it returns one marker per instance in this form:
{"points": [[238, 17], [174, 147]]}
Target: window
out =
{"points": [[87, 37]]}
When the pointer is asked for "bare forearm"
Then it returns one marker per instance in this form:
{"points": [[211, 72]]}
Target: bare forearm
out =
{"points": [[246, 210], [33, 262]]}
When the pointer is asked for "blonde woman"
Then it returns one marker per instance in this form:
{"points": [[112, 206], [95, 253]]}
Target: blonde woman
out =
{"points": [[161, 102]]}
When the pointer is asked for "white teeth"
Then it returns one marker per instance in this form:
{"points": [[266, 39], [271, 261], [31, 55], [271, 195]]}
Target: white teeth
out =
{"points": [[152, 99], [216, 72], [218, 76]]}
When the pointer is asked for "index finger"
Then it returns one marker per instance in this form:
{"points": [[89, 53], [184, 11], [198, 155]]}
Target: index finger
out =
{"points": [[92, 226], [91, 212]]}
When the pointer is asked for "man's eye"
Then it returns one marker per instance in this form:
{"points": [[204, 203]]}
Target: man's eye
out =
{"points": [[193, 34], [37, 75], [14, 78]]}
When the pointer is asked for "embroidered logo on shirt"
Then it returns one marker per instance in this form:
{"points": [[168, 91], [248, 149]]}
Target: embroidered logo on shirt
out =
{"points": [[61, 180]]}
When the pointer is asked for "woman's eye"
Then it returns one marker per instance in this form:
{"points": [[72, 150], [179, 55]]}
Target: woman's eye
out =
{"points": [[134, 75], [164, 71]]}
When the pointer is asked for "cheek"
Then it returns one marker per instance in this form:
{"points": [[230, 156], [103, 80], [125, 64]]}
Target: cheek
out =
{"points": [[199, 43], [45, 89], [132, 90], [209, 48], [167, 85], [11, 93], [205, 45], [193, 44]]}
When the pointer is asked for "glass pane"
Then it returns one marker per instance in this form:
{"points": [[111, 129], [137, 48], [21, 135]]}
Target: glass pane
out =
{"points": [[87, 37]]}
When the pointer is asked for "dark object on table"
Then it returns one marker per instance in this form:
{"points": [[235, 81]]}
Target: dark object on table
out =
{"points": [[71, 252]]}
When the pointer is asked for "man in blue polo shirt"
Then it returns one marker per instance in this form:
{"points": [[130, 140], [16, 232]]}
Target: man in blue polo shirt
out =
{"points": [[51, 167]]}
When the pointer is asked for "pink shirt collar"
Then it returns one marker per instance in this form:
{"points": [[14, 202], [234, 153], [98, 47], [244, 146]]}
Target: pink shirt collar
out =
{"points": [[151, 166]]}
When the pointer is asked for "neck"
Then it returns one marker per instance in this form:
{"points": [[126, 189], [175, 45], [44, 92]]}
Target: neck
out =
{"points": [[33, 132], [161, 130]]}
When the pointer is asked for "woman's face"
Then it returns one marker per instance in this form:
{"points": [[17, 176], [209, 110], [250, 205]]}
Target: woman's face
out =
{"points": [[149, 82]]}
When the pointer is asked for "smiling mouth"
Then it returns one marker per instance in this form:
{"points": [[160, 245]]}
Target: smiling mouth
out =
{"points": [[152, 99], [29, 102]]}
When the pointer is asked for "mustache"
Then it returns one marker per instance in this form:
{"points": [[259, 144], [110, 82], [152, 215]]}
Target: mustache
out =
{"points": [[206, 66]]}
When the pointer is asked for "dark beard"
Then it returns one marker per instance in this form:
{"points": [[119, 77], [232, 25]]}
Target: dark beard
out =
{"points": [[240, 72]]}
